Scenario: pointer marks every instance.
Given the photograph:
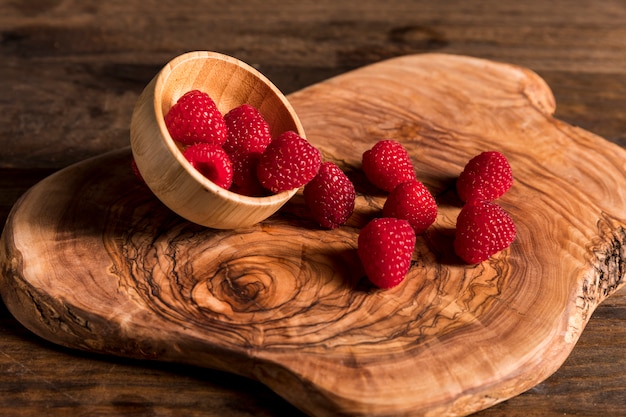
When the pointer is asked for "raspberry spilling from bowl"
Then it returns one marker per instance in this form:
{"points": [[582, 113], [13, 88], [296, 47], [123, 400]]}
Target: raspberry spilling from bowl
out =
{"points": [[330, 196], [237, 152], [289, 162]]}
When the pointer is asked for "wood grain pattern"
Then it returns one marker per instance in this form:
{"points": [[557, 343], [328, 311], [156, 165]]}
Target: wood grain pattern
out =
{"points": [[286, 303]]}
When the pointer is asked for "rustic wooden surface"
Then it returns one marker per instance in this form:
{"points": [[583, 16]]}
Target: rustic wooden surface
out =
{"points": [[92, 260], [71, 72]]}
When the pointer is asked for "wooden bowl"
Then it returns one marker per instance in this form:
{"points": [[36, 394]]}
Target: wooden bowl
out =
{"points": [[165, 170]]}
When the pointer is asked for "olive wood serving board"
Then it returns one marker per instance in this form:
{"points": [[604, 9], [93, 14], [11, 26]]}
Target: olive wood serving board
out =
{"points": [[92, 260]]}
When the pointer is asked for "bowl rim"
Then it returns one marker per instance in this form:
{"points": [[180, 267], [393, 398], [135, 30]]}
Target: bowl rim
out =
{"points": [[177, 153]]}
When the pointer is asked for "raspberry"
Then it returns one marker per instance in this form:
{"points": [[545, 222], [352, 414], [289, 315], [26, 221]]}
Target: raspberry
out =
{"points": [[385, 247], [486, 176], [248, 137], [330, 196], [133, 166], [245, 181], [195, 118], [482, 229], [288, 162], [412, 201], [212, 162], [388, 164], [248, 131]]}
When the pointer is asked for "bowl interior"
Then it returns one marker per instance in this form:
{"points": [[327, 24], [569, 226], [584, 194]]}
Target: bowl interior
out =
{"points": [[230, 83]]}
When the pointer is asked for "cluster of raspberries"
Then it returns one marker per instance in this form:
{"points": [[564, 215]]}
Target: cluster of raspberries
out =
{"points": [[483, 228], [237, 152]]}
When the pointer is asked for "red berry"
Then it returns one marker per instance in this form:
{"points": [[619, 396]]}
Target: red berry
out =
{"points": [[288, 162], [385, 247], [133, 166], [486, 176], [245, 181], [482, 229], [412, 201], [212, 162], [388, 164], [194, 119], [248, 137], [248, 131], [330, 196]]}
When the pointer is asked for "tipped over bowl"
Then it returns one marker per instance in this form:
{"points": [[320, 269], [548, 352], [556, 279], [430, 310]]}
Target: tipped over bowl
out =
{"points": [[230, 83]]}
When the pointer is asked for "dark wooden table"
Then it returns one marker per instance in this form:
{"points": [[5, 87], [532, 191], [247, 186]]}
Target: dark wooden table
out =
{"points": [[70, 72]]}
